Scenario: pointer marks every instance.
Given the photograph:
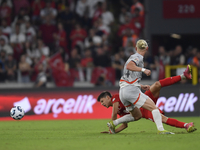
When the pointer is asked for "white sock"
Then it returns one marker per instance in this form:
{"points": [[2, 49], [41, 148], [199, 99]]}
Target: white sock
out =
{"points": [[157, 119], [185, 124], [124, 119], [182, 76]]}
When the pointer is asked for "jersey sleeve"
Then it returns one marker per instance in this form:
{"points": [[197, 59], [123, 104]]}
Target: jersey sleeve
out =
{"points": [[115, 98], [136, 60]]}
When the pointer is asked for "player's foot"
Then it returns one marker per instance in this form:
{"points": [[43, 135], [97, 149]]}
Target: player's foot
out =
{"points": [[190, 127], [111, 127], [165, 132], [188, 72]]}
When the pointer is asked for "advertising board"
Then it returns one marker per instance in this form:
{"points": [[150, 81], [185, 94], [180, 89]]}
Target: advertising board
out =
{"points": [[176, 100]]}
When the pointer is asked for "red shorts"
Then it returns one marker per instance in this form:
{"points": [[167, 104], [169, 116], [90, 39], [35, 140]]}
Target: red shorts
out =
{"points": [[148, 93], [147, 114]]}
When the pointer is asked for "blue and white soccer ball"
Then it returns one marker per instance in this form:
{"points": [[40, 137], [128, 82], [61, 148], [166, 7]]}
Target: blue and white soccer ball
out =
{"points": [[17, 112]]}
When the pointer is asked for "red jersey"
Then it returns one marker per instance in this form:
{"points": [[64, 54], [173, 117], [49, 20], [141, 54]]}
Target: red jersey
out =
{"points": [[5, 12], [121, 109], [37, 7], [131, 26], [145, 113], [47, 33], [77, 37]]}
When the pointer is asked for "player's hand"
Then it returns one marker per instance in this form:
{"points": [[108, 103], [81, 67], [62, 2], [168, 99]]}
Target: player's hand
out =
{"points": [[105, 132], [145, 87], [147, 72]]}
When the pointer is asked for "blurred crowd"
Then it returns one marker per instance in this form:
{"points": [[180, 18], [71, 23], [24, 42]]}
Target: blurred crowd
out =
{"points": [[93, 37], [175, 56]]}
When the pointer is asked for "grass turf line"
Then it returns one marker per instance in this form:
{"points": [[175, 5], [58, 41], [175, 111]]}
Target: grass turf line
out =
{"points": [[85, 135]]}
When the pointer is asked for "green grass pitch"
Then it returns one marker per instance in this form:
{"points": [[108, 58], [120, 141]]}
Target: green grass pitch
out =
{"points": [[85, 135]]}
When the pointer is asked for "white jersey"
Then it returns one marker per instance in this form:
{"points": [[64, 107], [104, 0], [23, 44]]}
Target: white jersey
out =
{"points": [[132, 77]]}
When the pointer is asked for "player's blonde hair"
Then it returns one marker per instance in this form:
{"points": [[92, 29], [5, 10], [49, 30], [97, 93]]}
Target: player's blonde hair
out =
{"points": [[142, 44]]}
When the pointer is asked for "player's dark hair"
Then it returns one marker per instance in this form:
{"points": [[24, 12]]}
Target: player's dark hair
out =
{"points": [[103, 94]]}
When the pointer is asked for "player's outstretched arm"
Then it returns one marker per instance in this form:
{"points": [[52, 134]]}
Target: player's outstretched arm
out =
{"points": [[114, 110], [122, 127]]}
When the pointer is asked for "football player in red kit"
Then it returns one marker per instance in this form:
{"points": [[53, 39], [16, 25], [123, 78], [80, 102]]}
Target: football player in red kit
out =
{"points": [[107, 100]]}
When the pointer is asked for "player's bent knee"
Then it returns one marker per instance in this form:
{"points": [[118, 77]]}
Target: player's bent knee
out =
{"points": [[157, 84], [138, 118], [149, 105]]}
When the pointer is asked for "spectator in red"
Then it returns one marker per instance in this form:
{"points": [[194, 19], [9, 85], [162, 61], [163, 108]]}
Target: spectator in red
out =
{"points": [[137, 4], [138, 20], [37, 6], [46, 32], [128, 24], [77, 35], [53, 3], [18, 4], [5, 12], [87, 59], [60, 37]]}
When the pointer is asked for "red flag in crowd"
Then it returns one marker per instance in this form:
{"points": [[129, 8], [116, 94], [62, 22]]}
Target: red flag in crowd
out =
{"points": [[61, 77]]}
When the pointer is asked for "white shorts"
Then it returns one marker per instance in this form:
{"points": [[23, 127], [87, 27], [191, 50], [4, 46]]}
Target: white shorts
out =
{"points": [[131, 97]]}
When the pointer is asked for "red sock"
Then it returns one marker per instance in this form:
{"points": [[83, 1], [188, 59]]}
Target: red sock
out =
{"points": [[170, 81], [175, 123]]}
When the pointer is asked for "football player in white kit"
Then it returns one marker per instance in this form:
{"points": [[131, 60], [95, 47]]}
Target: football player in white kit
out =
{"points": [[130, 87]]}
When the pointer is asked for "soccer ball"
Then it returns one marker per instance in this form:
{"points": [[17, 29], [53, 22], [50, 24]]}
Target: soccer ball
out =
{"points": [[17, 112]]}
